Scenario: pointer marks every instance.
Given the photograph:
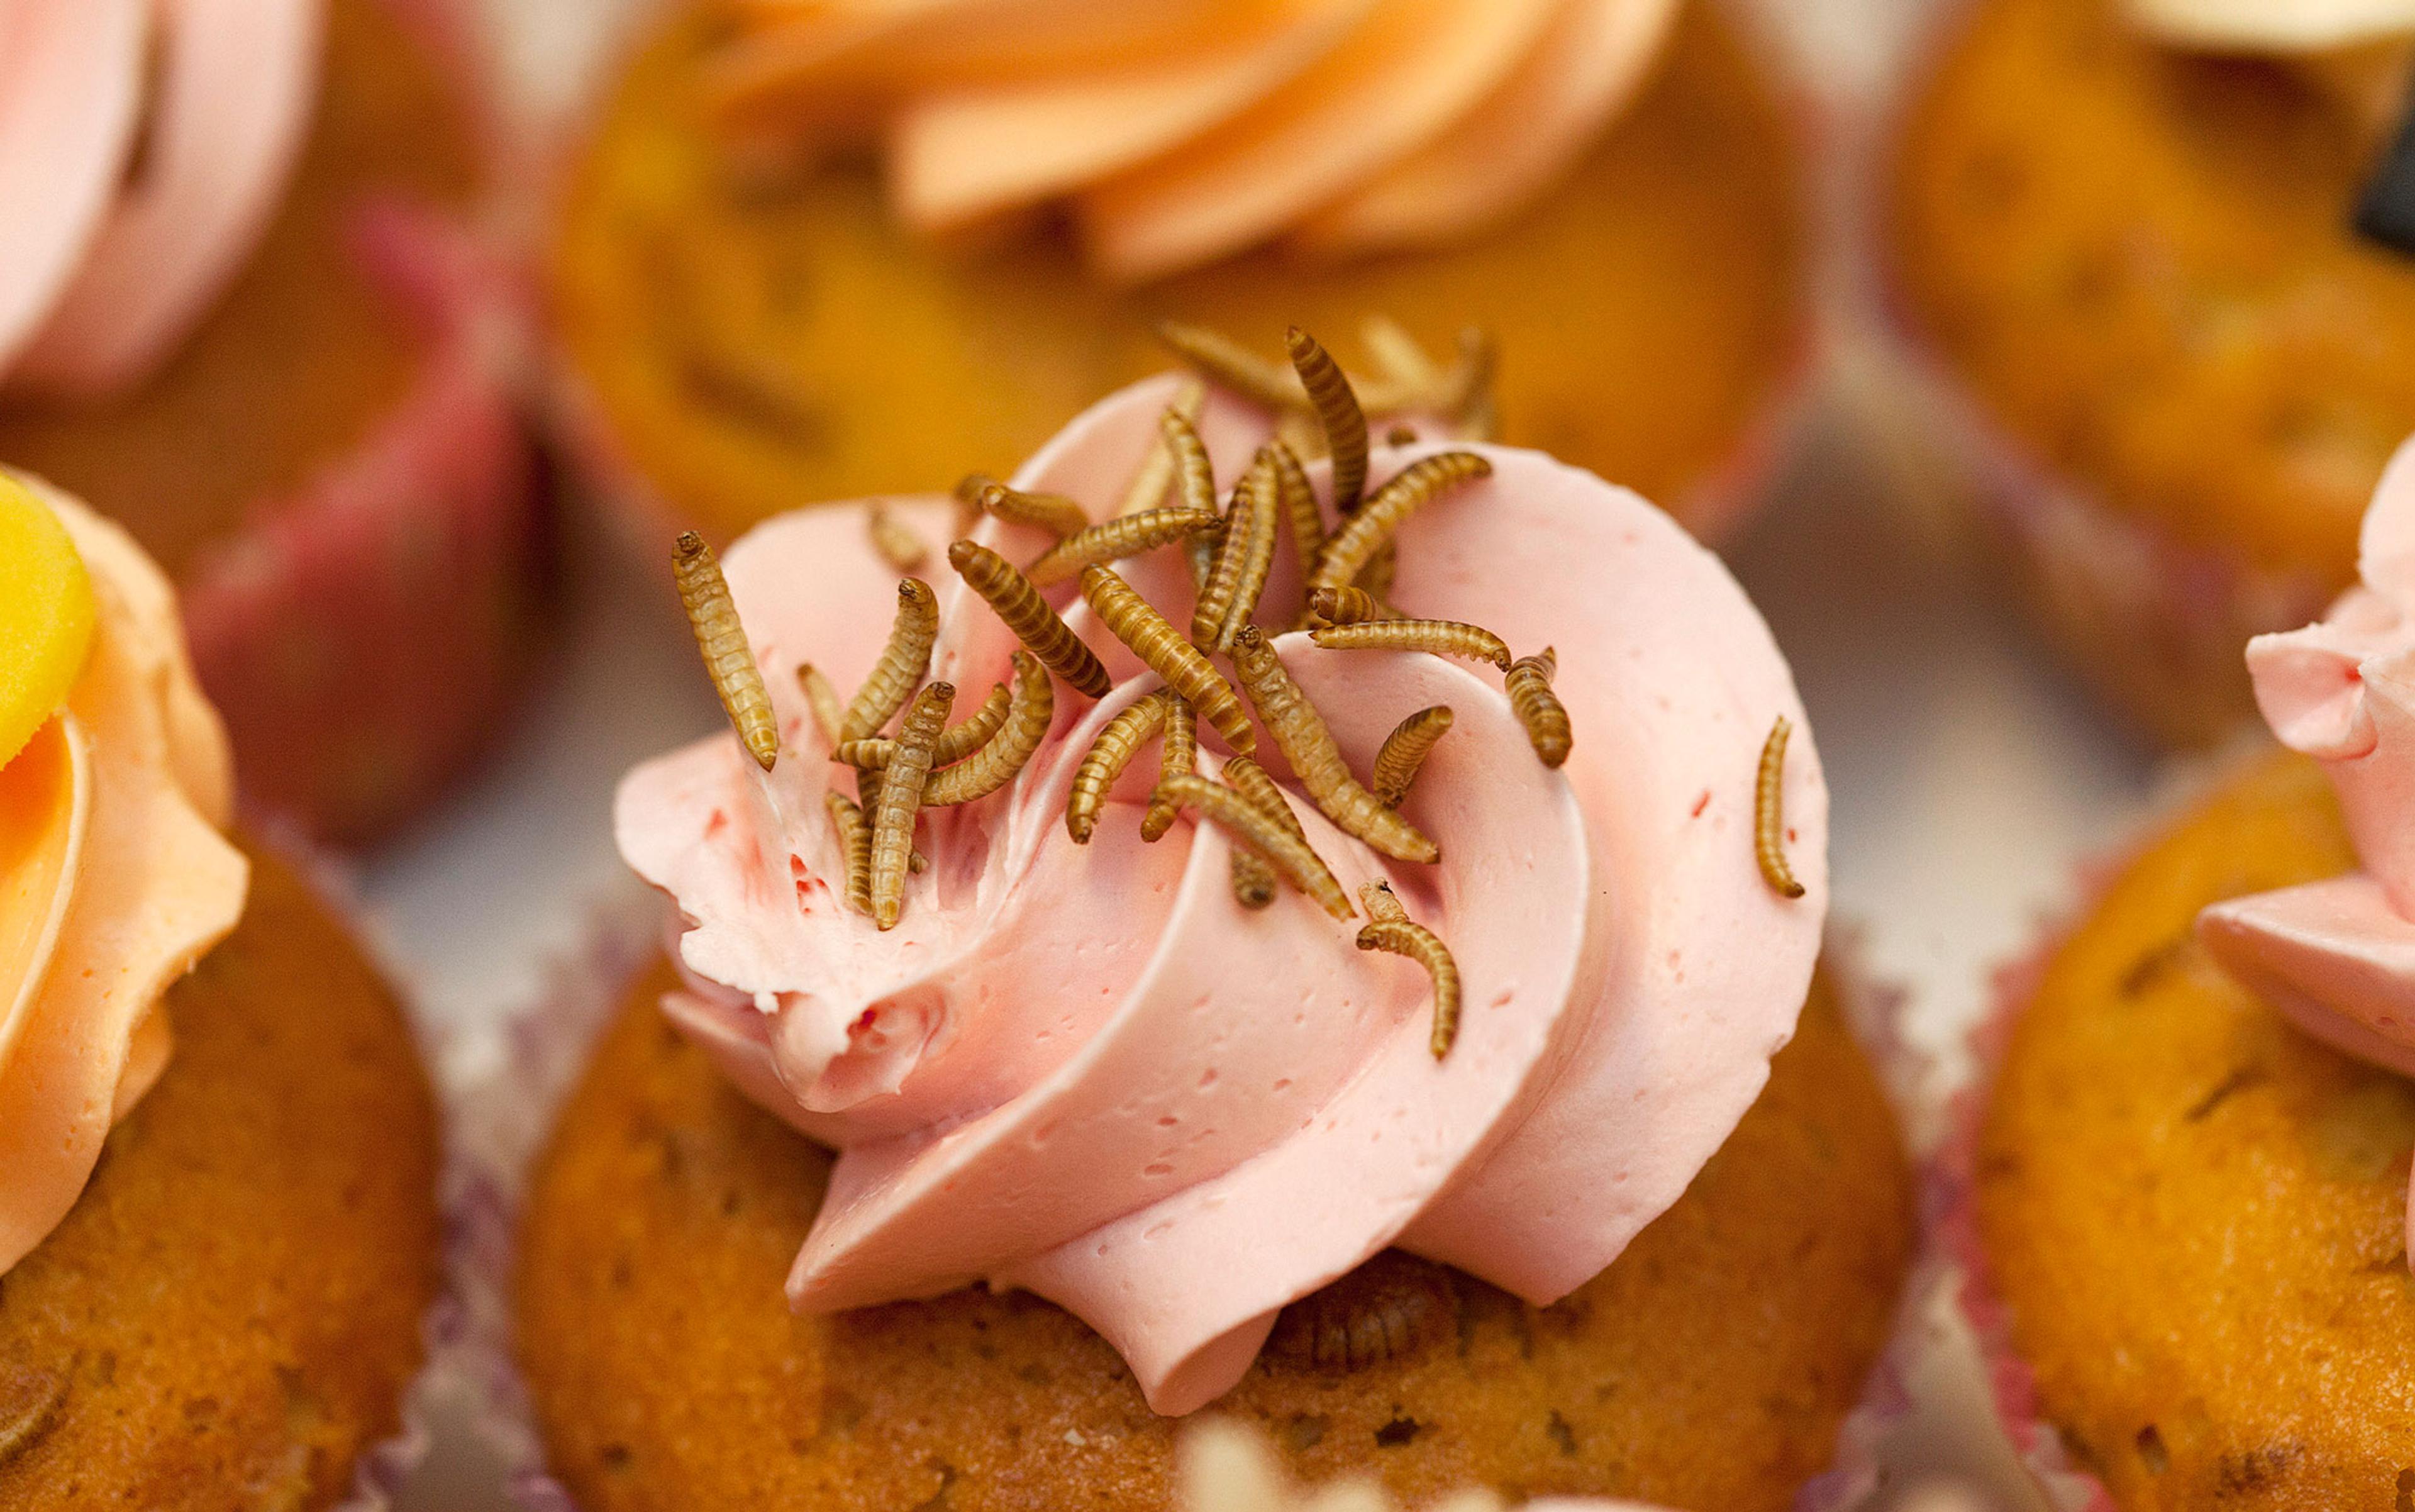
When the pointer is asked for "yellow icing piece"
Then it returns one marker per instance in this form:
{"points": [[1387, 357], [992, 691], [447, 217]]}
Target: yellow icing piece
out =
{"points": [[45, 798], [46, 613]]}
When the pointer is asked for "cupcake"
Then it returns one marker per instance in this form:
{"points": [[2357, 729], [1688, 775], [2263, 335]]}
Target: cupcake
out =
{"points": [[815, 253], [1057, 1089], [2146, 249], [218, 1231], [242, 313]]}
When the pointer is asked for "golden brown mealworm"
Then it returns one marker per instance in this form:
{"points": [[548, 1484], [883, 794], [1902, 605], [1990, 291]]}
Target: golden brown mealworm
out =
{"points": [[1195, 476], [1300, 731], [1347, 605], [999, 761], [1261, 831], [1299, 507], [855, 848], [968, 488], [1106, 759], [901, 665], [1439, 638], [901, 799], [1769, 814], [1156, 470], [1178, 753], [1539, 709], [1220, 359], [897, 546], [1056, 513], [956, 741], [1126, 535], [1230, 597], [728, 657], [1382, 904], [1405, 751], [1409, 490], [1130, 620], [1336, 410], [1400, 936], [1246, 778], [1030, 616], [1468, 395], [1404, 363], [1376, 576], [822, 699], [1253, 879]]}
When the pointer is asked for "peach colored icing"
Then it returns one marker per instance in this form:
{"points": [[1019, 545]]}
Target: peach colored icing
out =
{"points": [[144, 145], [116, 881], [2339, 956], [1179, 134], [1083, 1070]]}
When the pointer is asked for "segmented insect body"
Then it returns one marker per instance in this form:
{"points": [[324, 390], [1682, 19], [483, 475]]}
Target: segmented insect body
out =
{"points": [[1126, 535], [901, 799], [1030, 616], [1336, 410], [1254, 878], [1400, 936], [998, 761], [1440, 637], [1347, 605], [1130, 620], [1769, 816], [1106, 759], [1056, 513], [1410, 489], [1262, 833], [1242, 559], [1195, 474], [1156, 470], [1300, 731], [1402, 362], [1179, 752], [1382, 904], [855, 848], [1297, 502], [897, 546], [1468, 396], [901, 665], [712, 615], [1538, 708], [1222, 360], [956, 741], [822, 699], [1404, 751]]}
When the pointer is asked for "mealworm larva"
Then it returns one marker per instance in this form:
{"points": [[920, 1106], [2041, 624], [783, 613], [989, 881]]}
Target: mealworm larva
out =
{"points": [[1467, 397], [1230, 597], [1769, 814], [1220, 359], [1400, 436], [1261, 831], [1194, 474], [1030, 616], [727, 658], [897, 546], [1376, 576], [1336, 410], [1126, 535], [1156, 470], [956, 741], [1246, 778], [1106, 759], [1529, 685], [1299, 507], [1299, 731], [1400, 936], [1130, 620], [1253, 879], [902, 663], [1382, 904], [1347, 605], [822, 699], [1409, 490], [854, 846], [1178, 753], [1404, 751], [969, 488], [1056, 513], [1440, 637], [1004, 754], [901, 799], [1397, 353]]}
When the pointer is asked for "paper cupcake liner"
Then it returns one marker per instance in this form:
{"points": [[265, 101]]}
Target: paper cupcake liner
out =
{"points": [[361, 634]]}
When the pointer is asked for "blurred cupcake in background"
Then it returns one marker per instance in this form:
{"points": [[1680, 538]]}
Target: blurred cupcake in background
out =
{"points": [[243, 311], [2156, 256], [819, 252]]}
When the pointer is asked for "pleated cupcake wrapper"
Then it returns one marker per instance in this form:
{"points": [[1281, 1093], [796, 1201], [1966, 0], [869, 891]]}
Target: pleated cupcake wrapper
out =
{"points": [[360, 633]]}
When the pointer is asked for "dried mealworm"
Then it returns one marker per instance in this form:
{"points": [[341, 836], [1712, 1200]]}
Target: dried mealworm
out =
{"points": [[822, 699], [902, 663], [1179, 752], [1130, 620], [1299, 507], [1539, 708], [854, 846], [997, 762], [1253, 880], [1404, 363], [1246, 778], [1405, 751], [957, 741], [1300, 731], [1409, 489], [901, 799], [1106, 759], [1030, 616], [1230, 597], [1336, 410], [1156, 470], [729, 660], [1382, 904], [967, 493], [1400, 936], [1194, 475], [1376, 576], [1769, 814], [1261, 831], [897, 546], [1220, 359], [1126, 535], [1056, 513], [1440, 637], [1347, 605]]}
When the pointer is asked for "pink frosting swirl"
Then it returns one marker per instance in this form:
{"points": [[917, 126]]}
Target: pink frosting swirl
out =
{"points": [[144, 146], [1085, 1071], [2339, 956]]}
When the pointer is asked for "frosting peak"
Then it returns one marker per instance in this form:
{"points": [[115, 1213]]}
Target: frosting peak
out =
{"points": [[1085, 1069]]}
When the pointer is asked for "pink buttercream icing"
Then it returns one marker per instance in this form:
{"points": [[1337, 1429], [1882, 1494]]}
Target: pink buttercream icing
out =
{"points": [[144, 146], [2339, 956], [1084, 1071]]}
